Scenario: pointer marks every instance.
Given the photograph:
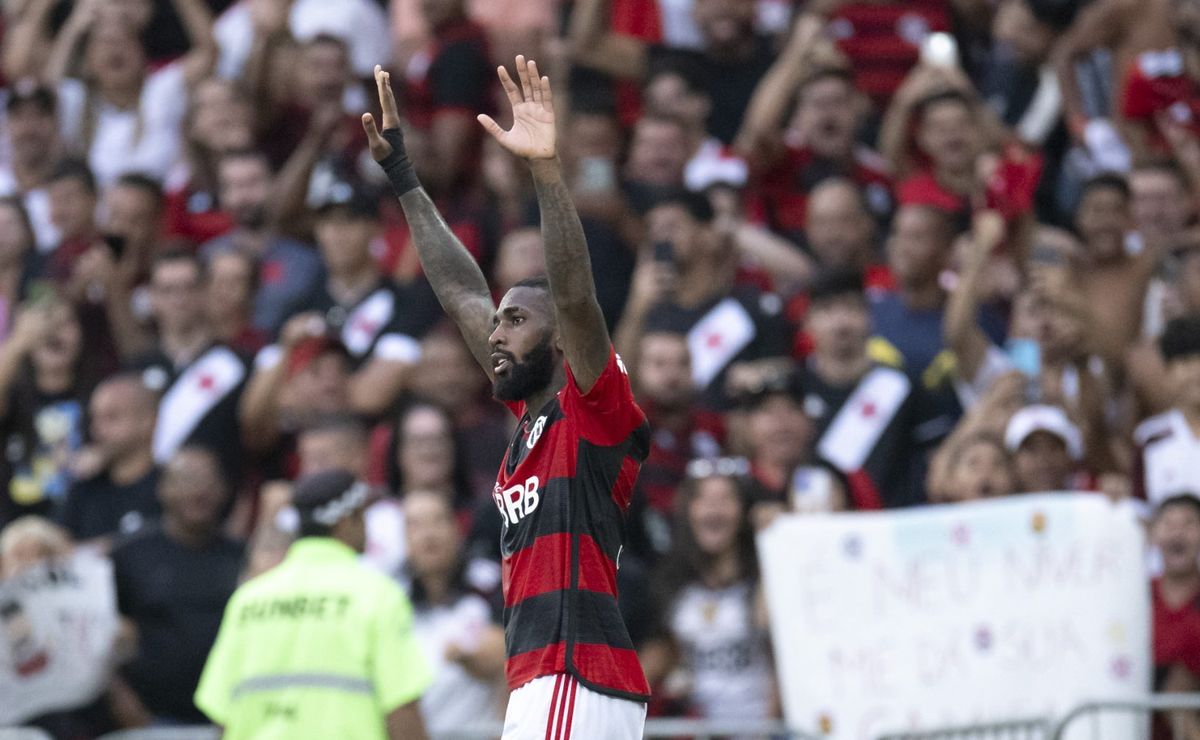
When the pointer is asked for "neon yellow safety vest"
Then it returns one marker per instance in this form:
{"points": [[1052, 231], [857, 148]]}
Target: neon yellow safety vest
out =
{"points": [[319, 647]]}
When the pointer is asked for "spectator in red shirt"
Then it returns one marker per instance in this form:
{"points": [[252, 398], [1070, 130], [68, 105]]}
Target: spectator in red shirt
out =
{"points": [[818, 141], [219, 120], [882, 38], [1175, 595], [447, 84]]}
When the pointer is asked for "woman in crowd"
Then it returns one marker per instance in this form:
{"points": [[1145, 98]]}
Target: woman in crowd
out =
{"points": [[454, 622], [219, 119], [713, 653], [428, 457], [124, 117], [43, 398]]}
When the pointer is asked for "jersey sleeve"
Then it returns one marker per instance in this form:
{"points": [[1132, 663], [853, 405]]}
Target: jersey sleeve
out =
{"points": [[214, 694], [400, 671], [606, 414]]}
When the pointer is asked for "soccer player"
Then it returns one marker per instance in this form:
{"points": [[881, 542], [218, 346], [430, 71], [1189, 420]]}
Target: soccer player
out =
{"points": [[564, 486]]}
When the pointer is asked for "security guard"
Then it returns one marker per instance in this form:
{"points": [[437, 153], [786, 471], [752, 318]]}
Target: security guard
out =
{"points": [[320, 646]]}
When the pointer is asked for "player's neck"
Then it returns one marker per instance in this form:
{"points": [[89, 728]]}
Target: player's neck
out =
{"points": [[535, 402]]}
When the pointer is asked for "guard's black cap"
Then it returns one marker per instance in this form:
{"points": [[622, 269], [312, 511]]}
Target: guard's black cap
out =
{"points": [[328, 497]]}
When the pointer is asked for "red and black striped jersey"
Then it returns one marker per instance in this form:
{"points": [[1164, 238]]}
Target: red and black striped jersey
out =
{"points": [[563, 492]]}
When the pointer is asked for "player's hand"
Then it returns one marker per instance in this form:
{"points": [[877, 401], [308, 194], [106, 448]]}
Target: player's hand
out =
{"points": [[533, 134], [380, 149]]}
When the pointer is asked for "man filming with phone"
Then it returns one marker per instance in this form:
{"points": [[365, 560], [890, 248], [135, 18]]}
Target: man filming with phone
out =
{"points": [[684, 284]]}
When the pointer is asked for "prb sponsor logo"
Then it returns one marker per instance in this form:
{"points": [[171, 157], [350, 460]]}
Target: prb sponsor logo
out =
{"points": [[518, 501]]}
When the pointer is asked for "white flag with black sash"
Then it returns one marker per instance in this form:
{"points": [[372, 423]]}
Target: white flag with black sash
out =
{"points": [[197, 391]]}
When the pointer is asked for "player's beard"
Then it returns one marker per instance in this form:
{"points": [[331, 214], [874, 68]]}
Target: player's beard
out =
{"points": [[527, 377]]}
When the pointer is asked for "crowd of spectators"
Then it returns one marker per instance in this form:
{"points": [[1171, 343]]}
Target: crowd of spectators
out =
{"points": [[855, 254]]}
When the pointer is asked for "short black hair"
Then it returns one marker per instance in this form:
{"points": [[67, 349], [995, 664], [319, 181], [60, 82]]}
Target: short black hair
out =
{"points": [[73, 168], [1106, 181], [943, 96], [1180, 339], [144, 182], [696, 204], [1190, 500], [833, 284]]}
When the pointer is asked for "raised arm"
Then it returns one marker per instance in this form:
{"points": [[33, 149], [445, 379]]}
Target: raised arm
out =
{"points": [[457, 280], [581, 326]]}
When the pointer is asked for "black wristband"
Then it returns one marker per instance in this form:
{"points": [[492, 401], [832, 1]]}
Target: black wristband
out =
{"points": [[396, 165]]}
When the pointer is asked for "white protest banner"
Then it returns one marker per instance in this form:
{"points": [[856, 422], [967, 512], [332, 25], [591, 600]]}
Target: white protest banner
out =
{"points": [[949, 615], [57, 626]]}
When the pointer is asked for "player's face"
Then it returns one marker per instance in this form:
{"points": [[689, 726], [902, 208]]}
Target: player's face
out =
{"points": [[714, 515], [1176, 533], [523, 353]]}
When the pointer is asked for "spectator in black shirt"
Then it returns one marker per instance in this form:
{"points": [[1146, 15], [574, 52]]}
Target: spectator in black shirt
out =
{"points": [[42, 398], [200, 380], [376, 319], [119, 495], [173, 580], [691, 291]]}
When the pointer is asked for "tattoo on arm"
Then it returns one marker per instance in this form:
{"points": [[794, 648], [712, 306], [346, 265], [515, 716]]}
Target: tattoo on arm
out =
{"points": [[456, 278], [580, 320]]}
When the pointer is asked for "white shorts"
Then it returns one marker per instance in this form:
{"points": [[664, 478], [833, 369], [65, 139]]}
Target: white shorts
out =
{"points": [[558, 707]]}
